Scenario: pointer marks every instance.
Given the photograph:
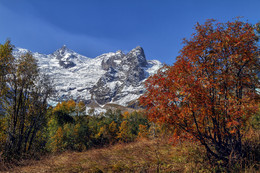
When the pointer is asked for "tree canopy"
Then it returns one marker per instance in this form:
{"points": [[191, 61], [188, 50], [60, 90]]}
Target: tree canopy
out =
{"points": [[211, 90], [23, 102]]}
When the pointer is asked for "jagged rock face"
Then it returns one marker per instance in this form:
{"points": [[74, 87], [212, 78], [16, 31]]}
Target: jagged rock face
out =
{"points": [[122, 71], [109, 78], [136, 57], [65, 56], [112, 60]]}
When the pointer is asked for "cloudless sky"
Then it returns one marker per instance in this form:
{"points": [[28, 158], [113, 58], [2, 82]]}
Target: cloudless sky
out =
{"points": [[94, 27]]}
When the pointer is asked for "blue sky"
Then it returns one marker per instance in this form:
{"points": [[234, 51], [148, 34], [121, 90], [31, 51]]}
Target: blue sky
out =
{"points": [[93, 27]]}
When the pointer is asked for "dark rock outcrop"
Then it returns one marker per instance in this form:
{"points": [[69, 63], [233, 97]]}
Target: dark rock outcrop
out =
{"points": [[122, 71]]}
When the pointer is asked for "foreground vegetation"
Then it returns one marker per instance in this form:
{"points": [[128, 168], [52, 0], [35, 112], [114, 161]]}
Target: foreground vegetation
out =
{"points": [[97, 144], [212, 90], [201, 114], [155, 155]]}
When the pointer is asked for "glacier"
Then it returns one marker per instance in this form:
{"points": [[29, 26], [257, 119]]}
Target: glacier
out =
{"points": [[114, 77]]}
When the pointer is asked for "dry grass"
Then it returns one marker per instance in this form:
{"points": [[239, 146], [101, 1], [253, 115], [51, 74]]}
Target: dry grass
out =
{"points": [[140, 156]]}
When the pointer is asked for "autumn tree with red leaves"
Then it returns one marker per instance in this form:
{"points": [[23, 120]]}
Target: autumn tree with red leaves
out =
{"points": [[210, 92]]}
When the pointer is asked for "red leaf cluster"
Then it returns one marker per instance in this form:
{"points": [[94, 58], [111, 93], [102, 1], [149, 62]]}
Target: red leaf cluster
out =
{"points": [[210, 91]]}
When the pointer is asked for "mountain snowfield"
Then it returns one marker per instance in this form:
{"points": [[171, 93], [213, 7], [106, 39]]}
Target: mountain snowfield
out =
{"points": [[115, 78]]}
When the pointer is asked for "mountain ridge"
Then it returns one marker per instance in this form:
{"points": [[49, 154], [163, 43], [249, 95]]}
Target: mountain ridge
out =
{"points": [[114, 77]]}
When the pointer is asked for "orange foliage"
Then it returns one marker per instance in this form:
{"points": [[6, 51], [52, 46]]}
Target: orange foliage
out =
{"points": [[143, 131], [57, 142], [71, 104], [81, 108], [112, 132], [126, 114], [67, 106], [123, 134], [209, 93]]}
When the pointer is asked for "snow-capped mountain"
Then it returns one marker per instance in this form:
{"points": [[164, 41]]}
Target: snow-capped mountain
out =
{"points": [[109, 78]]}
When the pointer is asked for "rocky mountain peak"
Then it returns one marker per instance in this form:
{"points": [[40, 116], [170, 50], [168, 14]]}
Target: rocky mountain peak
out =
{"points": [[119, 52], [67, 58], [62, 51], [114, 78], [121, 71], [137, 56]]}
